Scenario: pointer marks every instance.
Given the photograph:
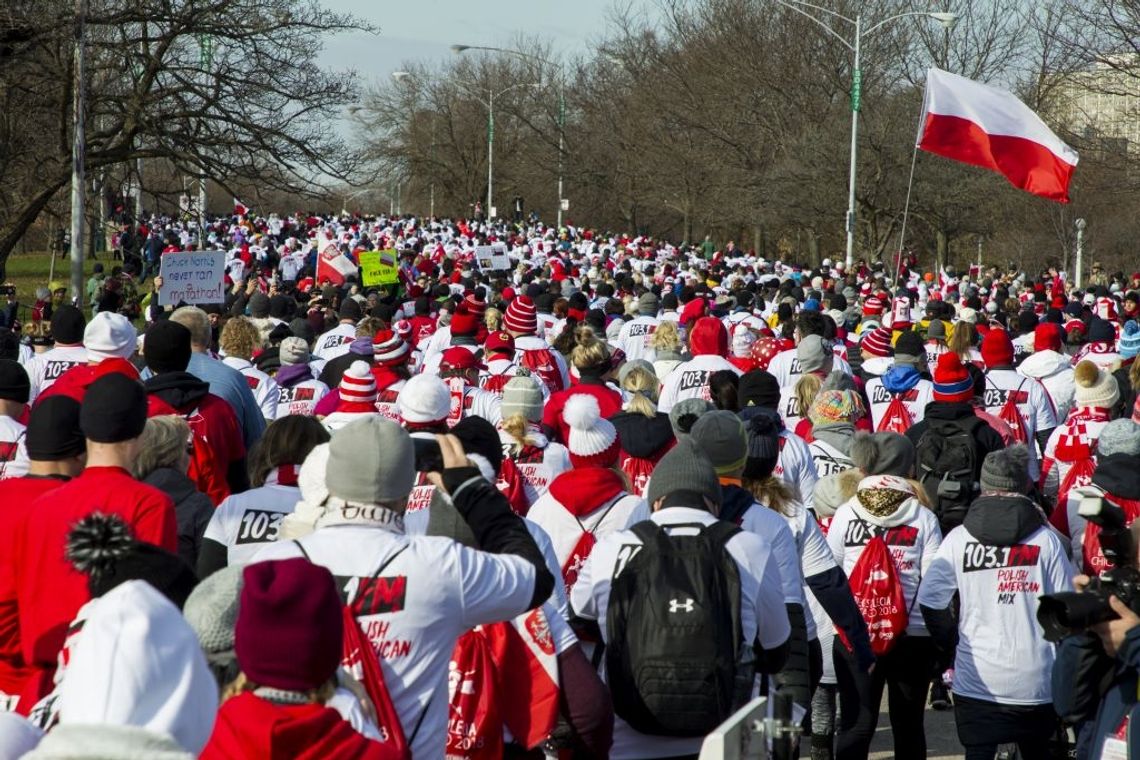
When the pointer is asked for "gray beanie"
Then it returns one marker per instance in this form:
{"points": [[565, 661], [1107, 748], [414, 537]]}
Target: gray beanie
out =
{"points": [[884, 453], [814, 353], [1119, 437], [522, 395], [684, 468], [936, 330], [293, 351], [720, 435], [629, 366], [648, 304], [212, 610], [370, 461], [832, 491], [684, 414], [1006, 470]]}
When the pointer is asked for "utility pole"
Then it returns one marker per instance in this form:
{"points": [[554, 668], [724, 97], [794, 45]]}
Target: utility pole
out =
{"points": [[1080, 225], [79, 153]]}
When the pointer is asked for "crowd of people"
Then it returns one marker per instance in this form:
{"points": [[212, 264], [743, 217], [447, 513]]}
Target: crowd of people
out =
{"points": [[586, 505]]}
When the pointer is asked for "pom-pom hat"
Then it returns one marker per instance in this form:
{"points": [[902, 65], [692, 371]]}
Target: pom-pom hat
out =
{"points": [[593, 441]]}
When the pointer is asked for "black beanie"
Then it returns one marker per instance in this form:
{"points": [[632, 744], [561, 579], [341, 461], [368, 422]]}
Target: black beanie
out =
{"points": [[53, 430], [166, 347], [14, 383], [259, 305], [101, 547], [114, 409], [763, 430], [759, 388], [350, 309], [67, 324], [479, 436]]}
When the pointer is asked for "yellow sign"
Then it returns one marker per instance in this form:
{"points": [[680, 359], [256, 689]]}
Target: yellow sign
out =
{"points": [[379, 268]]}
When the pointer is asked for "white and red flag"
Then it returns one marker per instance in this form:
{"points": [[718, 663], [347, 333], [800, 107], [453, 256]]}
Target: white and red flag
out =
{"points": [[332, 265], [240, 209], [986, 126]]}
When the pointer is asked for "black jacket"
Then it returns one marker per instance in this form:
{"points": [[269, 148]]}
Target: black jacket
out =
{"points": [[192, 509], [987, 438]]}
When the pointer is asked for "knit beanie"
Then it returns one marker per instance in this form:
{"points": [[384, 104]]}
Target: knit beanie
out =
{"points": [[884, 453], [1130, 339], [109, 335], [464, 321], [1094, 387], [877, 342], [350, 309], [936, 330], [521, 316], [301, 328], [720, 434], [593, 441], [477, 306], [1006, 470], [212, 611], [685, 414], [742, 342], [358, 385], [166, 347], [648, 304], [832, 406], [290, 628], [1047, 336], [522, 395], [1119, 437], [371, 460], [482, 444], [685, 469], [997, 349], [952, 381], [758, 388], [259, 305], [114, 409], [293, 351], [53, 430], [763, 430], [14, 382], [814, 353], [67, 324], [1101, 331], [424, 399], [909, 348], [389, 349]]}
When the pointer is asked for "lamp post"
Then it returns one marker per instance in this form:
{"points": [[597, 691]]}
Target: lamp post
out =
{"points": [[855, 45], [489, 104], [1080, 224], [79, 153], [459, 49]]}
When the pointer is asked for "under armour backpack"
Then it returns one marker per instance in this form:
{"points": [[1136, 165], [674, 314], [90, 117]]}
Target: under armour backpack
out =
{"points": [[947, 460], [673, 632]]}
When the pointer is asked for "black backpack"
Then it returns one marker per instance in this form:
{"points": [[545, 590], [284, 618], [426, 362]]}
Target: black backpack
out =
{"points": [[674, 633], [947, 460]]}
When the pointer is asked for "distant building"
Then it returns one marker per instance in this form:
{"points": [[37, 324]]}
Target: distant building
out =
{"points": [[1102, 103]]}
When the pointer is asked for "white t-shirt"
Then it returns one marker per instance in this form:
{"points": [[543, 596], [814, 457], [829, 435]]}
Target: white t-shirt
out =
{"points": [[264, 387], [915, 400], [786, 368], [635, 337], [691, 380], [1033, 403], [828, 460], [913, 537], [335, 342], [796, 467], [431, 591], [245, 522], [814, 554], [44, 369], [763, 616], [1002, 654], [564, 530], [301, 398], [538, 465], [13, 451]]}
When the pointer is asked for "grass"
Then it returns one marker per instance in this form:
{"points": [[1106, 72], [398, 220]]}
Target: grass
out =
{"points": [[28, 271]]}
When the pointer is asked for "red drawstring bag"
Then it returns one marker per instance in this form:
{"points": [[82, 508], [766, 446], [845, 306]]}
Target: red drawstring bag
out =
{"points": [[897, 418], [359, 659], [475, 722], [879, 593]]}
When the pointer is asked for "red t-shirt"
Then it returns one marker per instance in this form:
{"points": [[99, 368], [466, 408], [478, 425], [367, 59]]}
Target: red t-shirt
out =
{"points": [[16, 496], [75, 381], [49, 590], [609, 402]]}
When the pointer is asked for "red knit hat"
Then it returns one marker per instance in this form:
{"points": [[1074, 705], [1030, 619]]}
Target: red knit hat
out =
{"points": [[593, 441], [290, 629], [357, 385], [877, 342], [459, 358], [693, 311], [997, 348], [478, 308], [1047, 337], [389, 349], [464, 321], [521, 316], [873, 305], [952, 381]]}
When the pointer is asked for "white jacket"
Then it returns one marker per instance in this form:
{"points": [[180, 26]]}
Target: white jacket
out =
{"points": [[1055, 372]]}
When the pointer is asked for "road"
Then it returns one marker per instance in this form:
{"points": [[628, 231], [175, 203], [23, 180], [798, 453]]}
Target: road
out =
{"points": [[941, 736]]}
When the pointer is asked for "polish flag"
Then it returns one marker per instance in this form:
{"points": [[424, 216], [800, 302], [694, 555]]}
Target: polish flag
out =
{"points": [[988, 127], [332, 265], [240, 209]]}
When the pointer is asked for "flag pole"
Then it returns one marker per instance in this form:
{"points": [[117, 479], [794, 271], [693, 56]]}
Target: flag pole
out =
{"points": [[909, 187]]}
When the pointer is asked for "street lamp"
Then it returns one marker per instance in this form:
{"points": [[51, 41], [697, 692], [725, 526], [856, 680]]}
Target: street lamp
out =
{"points": [[459, 49], [1080, 224], [400, 76], [855, 46]]}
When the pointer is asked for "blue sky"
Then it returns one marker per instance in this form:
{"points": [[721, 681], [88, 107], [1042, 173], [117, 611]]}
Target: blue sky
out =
{"points": [[424, 30]]}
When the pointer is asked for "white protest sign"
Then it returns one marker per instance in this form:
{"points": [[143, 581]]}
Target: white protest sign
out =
{"points": [[492, 257], [192, 277]]}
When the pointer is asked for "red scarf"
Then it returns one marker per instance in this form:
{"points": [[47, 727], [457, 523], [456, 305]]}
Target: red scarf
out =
{"points": [[583, 490]]}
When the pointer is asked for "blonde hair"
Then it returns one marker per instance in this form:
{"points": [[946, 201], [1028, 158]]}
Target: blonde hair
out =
{"points": [[369, 326], [773, 493], [239, 338], [666, 337], [642, 386], [518, 427], [807, 388], [962, 340], [162, 444], [589, 351], [493, 318]]}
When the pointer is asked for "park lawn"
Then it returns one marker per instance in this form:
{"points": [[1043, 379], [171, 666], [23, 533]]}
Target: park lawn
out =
{"points": [[28, 271]]}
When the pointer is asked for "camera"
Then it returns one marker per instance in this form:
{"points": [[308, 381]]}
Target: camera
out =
{"points": [[428, 457], [1069, 612]]}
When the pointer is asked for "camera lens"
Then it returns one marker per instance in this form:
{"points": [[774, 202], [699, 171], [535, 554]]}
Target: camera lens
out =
{"points": [[1069, 612]]}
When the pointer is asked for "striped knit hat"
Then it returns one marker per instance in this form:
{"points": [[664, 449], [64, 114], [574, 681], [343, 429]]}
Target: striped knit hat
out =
{"points": [[836, 406], [593, 441], [357, 386], [877, 342], [389, 349], [521, 316], [873, 305], [952, 381], [1130, 339], [477, 307]]}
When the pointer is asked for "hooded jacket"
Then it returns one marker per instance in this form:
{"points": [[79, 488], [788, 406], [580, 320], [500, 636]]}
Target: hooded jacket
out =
{"points": [[643, 437], [192, 508], [249, 726], [1056, 373]]}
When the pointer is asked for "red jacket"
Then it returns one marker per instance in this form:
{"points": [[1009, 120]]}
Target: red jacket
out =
{"points": [[249, 726], [16, 494], [74, 382], [49, 590], [609, 401]]}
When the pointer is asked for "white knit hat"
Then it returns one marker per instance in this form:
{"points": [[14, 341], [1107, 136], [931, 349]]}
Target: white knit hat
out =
{"points": [[1094, 387], [357, 386], [109, 335], [592, 440], [423, 399]]}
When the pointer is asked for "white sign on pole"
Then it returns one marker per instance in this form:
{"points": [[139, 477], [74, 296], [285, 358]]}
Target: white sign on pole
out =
{"points": [[492, 257], [192, 277], [565, 204]]}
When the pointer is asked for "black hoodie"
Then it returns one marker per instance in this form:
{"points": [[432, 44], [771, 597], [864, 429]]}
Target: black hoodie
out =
{"points": [[181, 390], [643, 437], [1118, 475]]}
